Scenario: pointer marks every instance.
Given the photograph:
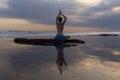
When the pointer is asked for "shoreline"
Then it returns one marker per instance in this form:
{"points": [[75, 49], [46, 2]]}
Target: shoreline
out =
{"points": [[23, 34]]}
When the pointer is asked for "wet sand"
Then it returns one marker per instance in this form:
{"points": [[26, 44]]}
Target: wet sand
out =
{"points": [[98, 59]]}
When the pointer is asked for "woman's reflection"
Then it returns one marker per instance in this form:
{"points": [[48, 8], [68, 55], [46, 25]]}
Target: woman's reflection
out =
{"points": [[61, 63], [60, 56]]}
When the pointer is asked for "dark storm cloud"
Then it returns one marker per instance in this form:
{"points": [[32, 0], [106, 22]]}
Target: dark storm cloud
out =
{"points": [[109, 18], [44, 12], [37, 11]]}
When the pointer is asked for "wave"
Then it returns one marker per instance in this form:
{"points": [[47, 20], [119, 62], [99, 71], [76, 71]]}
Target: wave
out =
{"points": [[13, 34]]}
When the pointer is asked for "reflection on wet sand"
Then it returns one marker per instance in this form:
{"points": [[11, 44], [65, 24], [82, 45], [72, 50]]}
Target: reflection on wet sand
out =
{"points": [[60, 57], [59, 46], [61, 63], [82, 62], [92, 62]]}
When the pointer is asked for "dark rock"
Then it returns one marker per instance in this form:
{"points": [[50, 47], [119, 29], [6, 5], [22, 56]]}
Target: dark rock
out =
{"points": [[107, 35], [46, 41]]}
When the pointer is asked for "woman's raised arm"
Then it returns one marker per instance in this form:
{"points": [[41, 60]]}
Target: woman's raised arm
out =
{"points": [[58, 16], [64, 19]]}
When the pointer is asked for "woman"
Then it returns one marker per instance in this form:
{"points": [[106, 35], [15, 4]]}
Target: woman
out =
{"points": [[60, 26]]}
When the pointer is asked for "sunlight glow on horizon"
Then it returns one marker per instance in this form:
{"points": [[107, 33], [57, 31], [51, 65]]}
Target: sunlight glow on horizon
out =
{"points": [[21, 24], [116, 9], [116, 53]]}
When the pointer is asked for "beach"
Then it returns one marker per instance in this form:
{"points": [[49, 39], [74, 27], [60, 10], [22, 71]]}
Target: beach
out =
{"points": [[59, 39], [97, 59]]}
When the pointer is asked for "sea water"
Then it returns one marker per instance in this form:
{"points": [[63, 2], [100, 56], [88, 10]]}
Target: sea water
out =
{"points": [[14, 34], [97, 59]]}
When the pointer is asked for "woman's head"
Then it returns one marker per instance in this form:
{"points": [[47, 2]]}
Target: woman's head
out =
{"points": [[60, 19]]}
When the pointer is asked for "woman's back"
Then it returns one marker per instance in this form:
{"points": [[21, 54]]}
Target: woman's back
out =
{"points": [[60, 21], [60, 28]]}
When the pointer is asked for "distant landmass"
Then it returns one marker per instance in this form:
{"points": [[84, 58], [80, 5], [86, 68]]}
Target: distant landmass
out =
{"points": [[108, 35]]}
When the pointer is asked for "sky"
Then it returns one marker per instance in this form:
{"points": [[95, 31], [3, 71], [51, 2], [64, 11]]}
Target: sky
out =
{"points": [[40, 15]]}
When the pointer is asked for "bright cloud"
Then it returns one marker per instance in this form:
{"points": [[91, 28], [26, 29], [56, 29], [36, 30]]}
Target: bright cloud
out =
{"points": [[116, 9], [90, 2], [3, 4]]}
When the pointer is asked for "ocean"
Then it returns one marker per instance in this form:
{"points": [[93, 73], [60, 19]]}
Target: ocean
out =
{"points": [[14, 34], [97, 59]]}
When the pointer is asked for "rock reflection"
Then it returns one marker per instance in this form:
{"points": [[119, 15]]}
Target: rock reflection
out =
{"points": [[60, 61], [42, 63], [60, 45]]}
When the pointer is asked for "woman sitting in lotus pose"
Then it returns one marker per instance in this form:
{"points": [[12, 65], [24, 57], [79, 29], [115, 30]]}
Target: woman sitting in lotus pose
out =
{"points": [[60, 26]]}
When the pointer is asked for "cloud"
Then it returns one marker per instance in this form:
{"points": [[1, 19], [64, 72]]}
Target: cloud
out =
{"points": [[3, 4], [107, 20], [105, 13], [37, 11], [89, 2]]}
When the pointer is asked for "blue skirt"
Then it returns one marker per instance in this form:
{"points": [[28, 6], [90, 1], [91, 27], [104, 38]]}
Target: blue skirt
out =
{"points": [[60, 37]]}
